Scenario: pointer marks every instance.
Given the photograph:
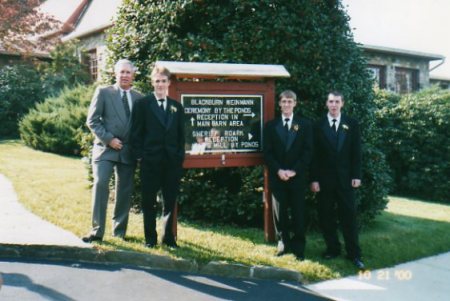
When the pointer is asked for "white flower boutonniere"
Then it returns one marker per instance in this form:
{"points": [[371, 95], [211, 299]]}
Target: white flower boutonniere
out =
{"points": [[345, 127], [295, 127], [173, 109]]}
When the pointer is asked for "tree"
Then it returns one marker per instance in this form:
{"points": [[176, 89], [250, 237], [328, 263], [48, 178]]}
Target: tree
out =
{"points": [[20, 89], [20, 24], [311, 39], [64, 69]]}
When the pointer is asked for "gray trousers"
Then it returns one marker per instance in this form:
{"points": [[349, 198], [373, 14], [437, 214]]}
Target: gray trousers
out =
{"points": [[124, 174]]}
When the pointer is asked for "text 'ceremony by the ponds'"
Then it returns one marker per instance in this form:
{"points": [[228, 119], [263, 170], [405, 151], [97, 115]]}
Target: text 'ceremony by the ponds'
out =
{"points": [[223, 123]]}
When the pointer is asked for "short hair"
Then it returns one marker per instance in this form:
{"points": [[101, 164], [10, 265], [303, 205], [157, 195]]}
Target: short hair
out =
{"points": [[160, 70], [337, 93], [121, 62], [288, 94]]}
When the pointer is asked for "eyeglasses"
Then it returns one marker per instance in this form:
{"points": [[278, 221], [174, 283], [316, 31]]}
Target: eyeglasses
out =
{"points": [[157, 81]]}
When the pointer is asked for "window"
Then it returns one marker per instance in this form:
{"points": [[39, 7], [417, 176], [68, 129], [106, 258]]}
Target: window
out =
{"points": [[379, 75], [406, 80], [93, 64]]}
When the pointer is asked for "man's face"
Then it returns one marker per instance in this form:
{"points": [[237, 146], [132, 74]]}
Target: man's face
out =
{"points": [[161, 83], [125, 76], [287, 106], [334, 105]]}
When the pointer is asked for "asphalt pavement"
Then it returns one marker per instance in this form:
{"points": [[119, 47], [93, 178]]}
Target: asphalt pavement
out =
{"points": [[59, 257]]}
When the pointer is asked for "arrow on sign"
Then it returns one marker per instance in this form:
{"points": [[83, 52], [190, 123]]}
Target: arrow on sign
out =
{"points": [[250, 136], [192, 121], [252, 114]]}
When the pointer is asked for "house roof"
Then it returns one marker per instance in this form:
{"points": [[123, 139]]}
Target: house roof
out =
{"points": [[404, 52], [97, 16]]}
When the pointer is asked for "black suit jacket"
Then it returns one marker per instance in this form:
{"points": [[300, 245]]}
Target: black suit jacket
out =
{"points": [[154, 135], [336, 160], [293, 153]]}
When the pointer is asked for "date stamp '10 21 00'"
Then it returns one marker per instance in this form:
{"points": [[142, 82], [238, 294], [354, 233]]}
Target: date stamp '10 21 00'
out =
{"points": [[386, 274]]}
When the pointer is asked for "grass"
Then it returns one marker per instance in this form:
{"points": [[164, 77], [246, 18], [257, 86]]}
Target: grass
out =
{"points": [[55, 188]]}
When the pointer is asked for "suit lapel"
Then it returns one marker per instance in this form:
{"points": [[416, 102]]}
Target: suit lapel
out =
{"points": [[281, 131], [118, 105], [292, 133], [342, 132], [170, 112], [157, 110], [328, 132]]}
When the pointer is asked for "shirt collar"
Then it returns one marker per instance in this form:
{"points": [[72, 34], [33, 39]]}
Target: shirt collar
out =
{"points": [[330, 118], [291, 117], [165, 98]]}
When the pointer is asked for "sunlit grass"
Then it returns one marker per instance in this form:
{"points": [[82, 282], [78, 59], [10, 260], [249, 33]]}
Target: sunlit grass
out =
{"points": [[55, 188]]}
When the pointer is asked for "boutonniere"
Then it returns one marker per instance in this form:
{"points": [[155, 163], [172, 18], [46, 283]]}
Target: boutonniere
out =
{"points": [[295, 127], [173, 109], [345, 127]]}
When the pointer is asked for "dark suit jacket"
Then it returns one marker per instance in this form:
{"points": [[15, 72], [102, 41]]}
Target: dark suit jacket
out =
{"points": [[293, 153], [107, 120], [336, 161], [154, 135]]}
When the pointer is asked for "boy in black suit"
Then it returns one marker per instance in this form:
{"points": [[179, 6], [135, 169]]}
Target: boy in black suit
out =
{"points": [[157, 140], [287, 153], [336, 172]]}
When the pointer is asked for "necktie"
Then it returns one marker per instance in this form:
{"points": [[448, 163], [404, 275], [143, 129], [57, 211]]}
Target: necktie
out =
{"points": [[161, 104], [286, 129], [286, 124], [126, 106], [333, 127]]}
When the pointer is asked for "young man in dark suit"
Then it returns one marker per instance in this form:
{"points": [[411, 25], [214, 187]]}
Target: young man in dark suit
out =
{"points": [[287, 153], [157, 140], [109, 120], [336, 172]]}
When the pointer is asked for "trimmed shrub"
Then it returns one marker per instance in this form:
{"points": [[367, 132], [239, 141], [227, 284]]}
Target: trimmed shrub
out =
{"points": [[56, 124], [416, 141], [20, 89], [314, 42]]}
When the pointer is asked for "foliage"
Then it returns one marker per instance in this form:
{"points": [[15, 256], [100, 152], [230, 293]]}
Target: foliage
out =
{"points": [[20, 19], [311, 39], [416, 141], [228, 195], [20, 89], [64, 69], [57, 124]]}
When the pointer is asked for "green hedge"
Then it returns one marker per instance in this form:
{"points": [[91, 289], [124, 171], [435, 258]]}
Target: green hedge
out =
{"points": [[56, 124], [311, 39], [417, 141], [20, 89]]}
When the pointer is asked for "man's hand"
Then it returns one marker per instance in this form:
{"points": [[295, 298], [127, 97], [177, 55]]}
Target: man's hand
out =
{"points": [[356, 183], [315, 187], [282, 174], [116, 144], [290, 173], [286, 174]]}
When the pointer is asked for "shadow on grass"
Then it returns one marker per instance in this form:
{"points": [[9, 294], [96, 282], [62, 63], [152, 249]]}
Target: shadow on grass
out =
{"points": [[390, 240]]}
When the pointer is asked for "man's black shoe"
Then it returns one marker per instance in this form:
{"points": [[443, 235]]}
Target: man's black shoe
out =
{"points": [[358, 263], [299, 257], [91, 238], [330, 255], [150, 244], [170, 244]]}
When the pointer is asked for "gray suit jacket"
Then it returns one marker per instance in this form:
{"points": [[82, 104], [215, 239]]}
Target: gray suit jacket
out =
{"points": [[107, 120]]}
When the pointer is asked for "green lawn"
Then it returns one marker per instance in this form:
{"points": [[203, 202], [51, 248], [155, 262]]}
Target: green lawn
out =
{"points": [[55, 188]]}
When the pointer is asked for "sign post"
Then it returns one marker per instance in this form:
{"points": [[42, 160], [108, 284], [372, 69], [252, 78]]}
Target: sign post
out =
{"points": [[226, 107]]}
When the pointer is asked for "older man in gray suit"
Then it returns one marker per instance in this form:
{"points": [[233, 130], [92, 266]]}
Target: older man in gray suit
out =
{"points": [[109, 120]]}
